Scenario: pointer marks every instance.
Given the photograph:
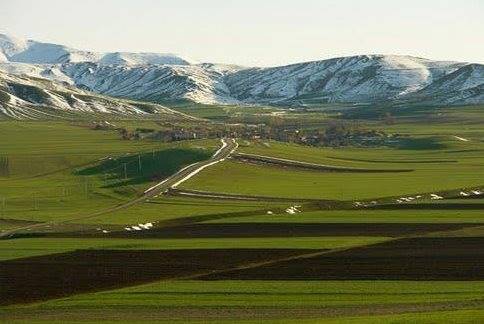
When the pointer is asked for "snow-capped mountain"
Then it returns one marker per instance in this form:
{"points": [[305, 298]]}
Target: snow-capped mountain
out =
{"points": [[29, 51], [124, 58], [366, 78], [14, 49], [167, 77], [24, 97], [464, 84]]}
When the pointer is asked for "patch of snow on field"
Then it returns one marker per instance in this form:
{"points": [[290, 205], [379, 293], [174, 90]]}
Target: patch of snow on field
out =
{"points": [[461, 139], [293, 210]]}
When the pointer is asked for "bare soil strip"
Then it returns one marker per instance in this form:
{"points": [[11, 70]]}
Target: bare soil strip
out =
{"points": [[394, 161], [248, 230], [260, 159], [424, 258], [223, 196], [58, 275], [64, 274]]}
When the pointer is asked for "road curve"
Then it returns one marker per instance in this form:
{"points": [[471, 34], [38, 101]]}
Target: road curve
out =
{"points": [[228, 147]]}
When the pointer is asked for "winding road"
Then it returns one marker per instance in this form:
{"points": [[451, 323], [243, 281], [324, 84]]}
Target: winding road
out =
{"points": [[228, 147]]}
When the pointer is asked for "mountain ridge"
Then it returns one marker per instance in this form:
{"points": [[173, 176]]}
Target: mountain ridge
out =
{"points": [[166, 77]]}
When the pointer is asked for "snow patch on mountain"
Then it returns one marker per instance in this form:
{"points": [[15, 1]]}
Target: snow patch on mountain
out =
{"points": [[44, 53], [123, 58], [11, 45], [24, 97], [167, 77]]}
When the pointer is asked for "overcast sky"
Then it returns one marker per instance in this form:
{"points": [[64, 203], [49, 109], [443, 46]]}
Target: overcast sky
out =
{"points": [[256, 32]]}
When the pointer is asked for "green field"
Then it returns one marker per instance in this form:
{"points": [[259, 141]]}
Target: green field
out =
{"points": [[439, 162], [48, 177], [68, 192], [21, 248], [196, 297], [266, 293]]}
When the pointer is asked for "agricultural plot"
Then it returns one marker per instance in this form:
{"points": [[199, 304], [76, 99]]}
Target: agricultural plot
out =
{"points": [[280, 301], [82, 171], [436, 161], [242, 240], [270, 181]]}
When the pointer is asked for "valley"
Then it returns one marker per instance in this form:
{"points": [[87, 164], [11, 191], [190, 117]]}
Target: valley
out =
{"points": [[148, 187], [306, 233]]}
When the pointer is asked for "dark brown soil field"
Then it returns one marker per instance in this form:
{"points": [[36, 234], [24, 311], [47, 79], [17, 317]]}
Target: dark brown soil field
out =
{"points": [[247, 230], [57, 275], [457, 258], [215, 230]]}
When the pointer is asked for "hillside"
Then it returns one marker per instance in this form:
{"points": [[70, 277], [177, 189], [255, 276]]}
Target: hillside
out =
{"points": [[23, 97], [167, 77]]}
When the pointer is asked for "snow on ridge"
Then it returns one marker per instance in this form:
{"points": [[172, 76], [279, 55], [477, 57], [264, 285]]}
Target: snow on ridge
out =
{"points": [[29, 51], [11, 45], [126, 58], [164, 76], [31, 98]]}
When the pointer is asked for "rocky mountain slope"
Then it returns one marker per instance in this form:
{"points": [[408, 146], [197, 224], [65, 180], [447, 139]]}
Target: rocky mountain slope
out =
{"points": [[23, 97], [167, 77]]}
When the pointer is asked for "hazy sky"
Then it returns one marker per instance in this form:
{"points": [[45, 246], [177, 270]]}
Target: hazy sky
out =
{"points": [[256, 32]]}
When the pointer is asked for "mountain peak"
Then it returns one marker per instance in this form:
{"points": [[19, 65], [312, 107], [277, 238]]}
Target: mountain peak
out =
{"points": [[159, 77], [16, 49], [126, 58], [11, 45]]}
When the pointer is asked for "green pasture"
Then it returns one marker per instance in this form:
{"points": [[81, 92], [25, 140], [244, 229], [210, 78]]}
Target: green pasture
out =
{"points": [[365, 216], [439, 162], [27, 247], [248, 293], [58, 170], [168, 208], [242, 178]]}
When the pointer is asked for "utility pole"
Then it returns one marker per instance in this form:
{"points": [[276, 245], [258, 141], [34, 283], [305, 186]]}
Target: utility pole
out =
{"points": [[86, 187], [139, 163]]}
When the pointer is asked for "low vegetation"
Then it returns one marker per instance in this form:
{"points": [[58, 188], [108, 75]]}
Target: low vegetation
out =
{"points": [[245, 240]]}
